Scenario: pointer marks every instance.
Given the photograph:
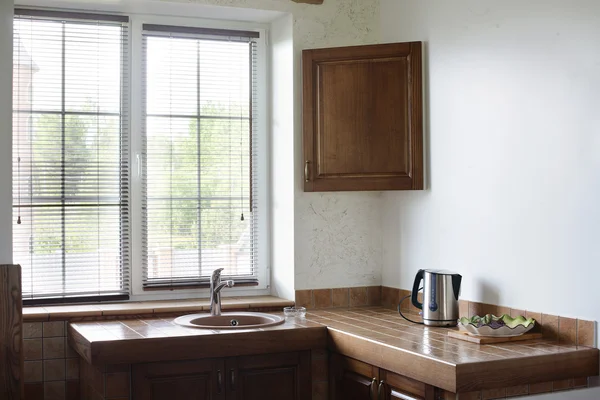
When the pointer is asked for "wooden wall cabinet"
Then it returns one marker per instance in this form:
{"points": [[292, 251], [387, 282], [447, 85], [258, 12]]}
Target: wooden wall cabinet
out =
{"points": [[264, 377], [351, 379], [363, 118]]}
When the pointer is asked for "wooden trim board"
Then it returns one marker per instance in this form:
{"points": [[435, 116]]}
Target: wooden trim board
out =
{"points": [[11, 329], [491, 340]]}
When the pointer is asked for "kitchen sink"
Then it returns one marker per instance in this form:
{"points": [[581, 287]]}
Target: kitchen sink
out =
{"points": [[237, 320]]}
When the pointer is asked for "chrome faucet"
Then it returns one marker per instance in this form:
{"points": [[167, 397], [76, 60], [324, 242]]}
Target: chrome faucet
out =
{"points": [[215, 291]]}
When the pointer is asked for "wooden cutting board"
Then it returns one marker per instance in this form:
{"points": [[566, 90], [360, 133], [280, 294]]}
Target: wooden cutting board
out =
{"points": [[491, 339]]}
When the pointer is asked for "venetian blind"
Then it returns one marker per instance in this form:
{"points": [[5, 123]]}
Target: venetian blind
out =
{"points": [[70, 154], [199, 142]]}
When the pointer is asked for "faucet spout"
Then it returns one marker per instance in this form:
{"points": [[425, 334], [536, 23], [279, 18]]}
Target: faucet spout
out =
{"points": [[215, 291]]}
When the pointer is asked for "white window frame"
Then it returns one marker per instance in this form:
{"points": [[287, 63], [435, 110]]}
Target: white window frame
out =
{"points": [[171, 14]]}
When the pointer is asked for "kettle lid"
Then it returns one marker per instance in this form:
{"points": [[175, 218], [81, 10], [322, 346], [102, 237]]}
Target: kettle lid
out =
{"points": [[440, 272]]}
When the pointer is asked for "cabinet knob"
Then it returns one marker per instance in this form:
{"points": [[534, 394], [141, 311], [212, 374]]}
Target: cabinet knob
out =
{"points": [[306, 172], [232, 379]]}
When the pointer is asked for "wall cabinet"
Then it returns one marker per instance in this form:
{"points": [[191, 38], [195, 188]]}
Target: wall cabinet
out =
{"points": [[356, 380], [363, 118], [265, 377]]}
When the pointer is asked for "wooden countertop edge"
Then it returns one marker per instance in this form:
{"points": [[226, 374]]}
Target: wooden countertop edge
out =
{"points": [[134, 351], [534, 369], [412, 365]]}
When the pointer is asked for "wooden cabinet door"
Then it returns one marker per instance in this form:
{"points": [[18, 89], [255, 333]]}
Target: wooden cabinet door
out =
{"points": [[269, 377], [351, 379], [363, 118], [395, 387], [181, 380]]}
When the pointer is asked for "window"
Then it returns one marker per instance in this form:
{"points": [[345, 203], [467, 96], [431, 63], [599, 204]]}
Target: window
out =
{"points": [[70, 150], [199, 198], [85, 223]]}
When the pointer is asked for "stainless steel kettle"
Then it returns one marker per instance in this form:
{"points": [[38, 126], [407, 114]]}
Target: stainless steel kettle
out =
{"points": [[440, 296]]}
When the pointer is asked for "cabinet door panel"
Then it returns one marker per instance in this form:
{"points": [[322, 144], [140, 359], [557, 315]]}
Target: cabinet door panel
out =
{"points": [[181, 380], [269, 377], [363, 118], [402, 387], [352, 379]]}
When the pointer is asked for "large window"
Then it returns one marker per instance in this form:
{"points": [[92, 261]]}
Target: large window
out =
{"points": [[95, 94], [199, 211], [70, 151]]}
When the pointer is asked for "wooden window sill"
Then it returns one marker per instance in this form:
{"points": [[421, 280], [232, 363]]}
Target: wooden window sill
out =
{"points": [[68, 312]]}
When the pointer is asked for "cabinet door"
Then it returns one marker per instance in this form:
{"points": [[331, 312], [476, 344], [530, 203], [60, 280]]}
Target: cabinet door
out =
{"points": [[363, 118], [181, 380], [398, 387], [351, 379], [269, 377]]}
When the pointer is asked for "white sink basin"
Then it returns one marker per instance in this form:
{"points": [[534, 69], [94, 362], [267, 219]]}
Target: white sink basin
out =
{"points": [[237, 320]]}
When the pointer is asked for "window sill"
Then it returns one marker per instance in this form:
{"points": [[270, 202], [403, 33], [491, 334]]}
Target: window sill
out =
{"points": [[68, 312]]}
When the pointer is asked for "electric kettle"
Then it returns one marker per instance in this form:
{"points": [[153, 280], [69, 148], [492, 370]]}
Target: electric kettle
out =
{"points": [[440, 296]]}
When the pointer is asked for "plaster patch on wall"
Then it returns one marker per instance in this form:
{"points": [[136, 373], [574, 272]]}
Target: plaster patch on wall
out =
{"points": [[340, 244], [337, 235]]}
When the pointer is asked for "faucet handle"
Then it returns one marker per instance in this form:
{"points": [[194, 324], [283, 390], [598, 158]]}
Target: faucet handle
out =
{"points": [[229, 283], [217, 273]]}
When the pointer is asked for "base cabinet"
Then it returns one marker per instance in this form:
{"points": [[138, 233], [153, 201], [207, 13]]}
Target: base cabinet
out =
{"points": [[351, 379], [265, 377]]}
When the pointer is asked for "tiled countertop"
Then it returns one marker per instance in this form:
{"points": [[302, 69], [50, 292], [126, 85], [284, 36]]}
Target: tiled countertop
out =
{"points": [[374, 335], [64, 312]]}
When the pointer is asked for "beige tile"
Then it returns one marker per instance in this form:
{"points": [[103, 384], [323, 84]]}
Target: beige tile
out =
{"points": [[32, 330], [54, 390], [521, 390], [117, 384], [54, 328], [567, 330], [550, 326], [476, 309], [72, 368], [586, 333], [358, 296], [374, 295], [340, 297], [390, 297], [70, 350], [54, 370], [304, 298], [322, 298], [54, 348], [544, 387], [463, 308], [515, 312], [534, 315], [566, 384], [33, 372], [32, 349], [489, 394]]}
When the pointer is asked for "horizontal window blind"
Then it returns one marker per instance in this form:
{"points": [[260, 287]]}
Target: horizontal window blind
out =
{"points": [[199, 143], [70, 154]]}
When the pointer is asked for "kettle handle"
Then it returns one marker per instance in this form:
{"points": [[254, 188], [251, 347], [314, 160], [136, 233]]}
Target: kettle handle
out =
{"points": [[414, 299]]}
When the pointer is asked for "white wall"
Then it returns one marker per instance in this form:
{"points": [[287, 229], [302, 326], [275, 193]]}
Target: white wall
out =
{"points": [[337, 237], [513, 152], [6, 14]]}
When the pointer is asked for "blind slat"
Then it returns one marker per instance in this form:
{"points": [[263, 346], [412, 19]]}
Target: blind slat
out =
{"points": [[198, 170], [70, 149]]}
